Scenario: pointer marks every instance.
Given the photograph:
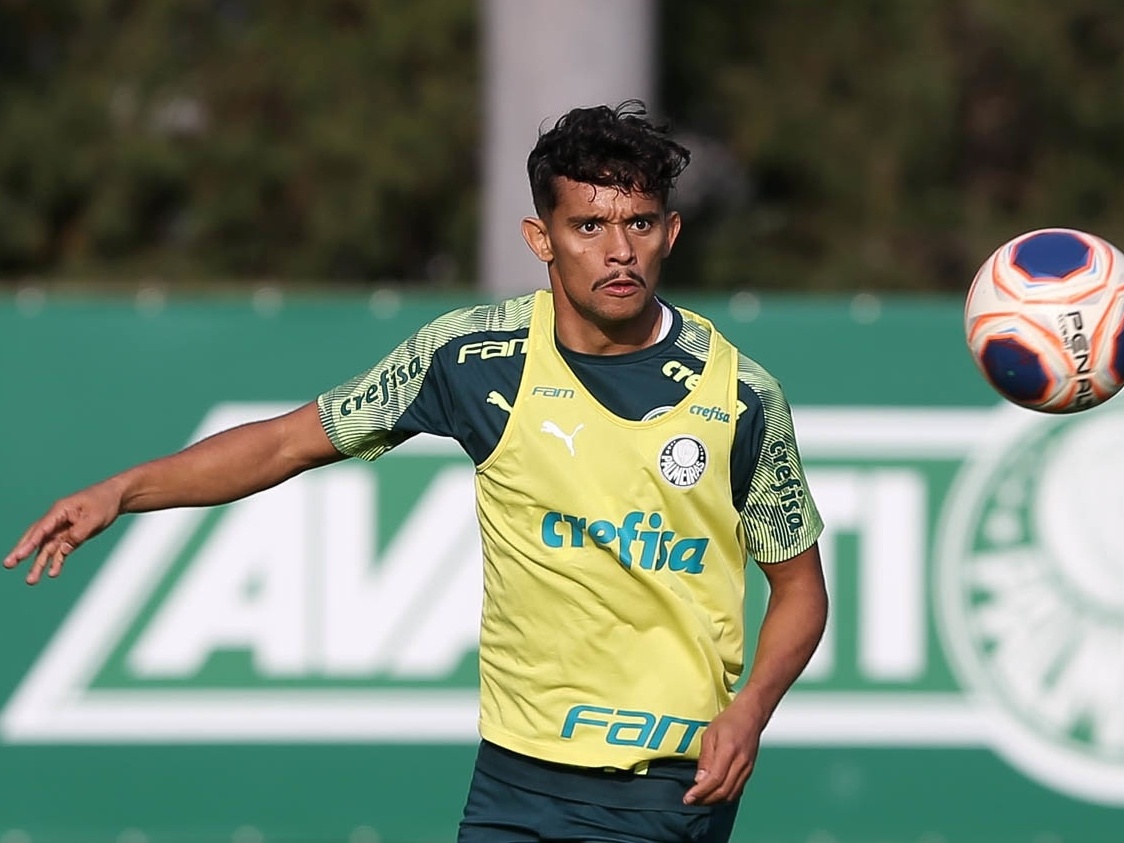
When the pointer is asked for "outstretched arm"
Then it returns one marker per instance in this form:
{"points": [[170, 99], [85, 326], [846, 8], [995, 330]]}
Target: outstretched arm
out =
{"points": [[792, 627], [219, 469]]}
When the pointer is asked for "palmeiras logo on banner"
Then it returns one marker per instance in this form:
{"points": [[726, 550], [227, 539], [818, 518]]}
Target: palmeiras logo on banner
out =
{"points": [[1030, 568], [344, 604]]}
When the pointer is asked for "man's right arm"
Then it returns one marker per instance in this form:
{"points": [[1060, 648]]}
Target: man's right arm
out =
{"points": [[219, 469]]}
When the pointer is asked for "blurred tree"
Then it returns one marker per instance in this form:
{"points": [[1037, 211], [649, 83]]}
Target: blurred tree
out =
{"points": [[191, 139], [853, 145], [892, 145]]}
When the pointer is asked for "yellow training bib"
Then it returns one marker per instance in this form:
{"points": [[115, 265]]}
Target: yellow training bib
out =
{"points": [[614, 560]]}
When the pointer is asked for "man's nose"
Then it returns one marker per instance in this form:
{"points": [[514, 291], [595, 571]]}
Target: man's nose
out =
{"points": [[620, 247]]}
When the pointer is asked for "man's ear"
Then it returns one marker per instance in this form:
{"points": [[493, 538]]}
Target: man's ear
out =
{"points": [[674, 222], [535, 233]]}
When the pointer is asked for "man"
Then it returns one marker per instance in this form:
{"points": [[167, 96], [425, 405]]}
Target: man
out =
{"points": [[629, 460]]}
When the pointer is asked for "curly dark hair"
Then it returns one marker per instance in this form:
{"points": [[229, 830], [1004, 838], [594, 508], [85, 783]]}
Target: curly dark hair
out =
{"points": [[610, 147]]}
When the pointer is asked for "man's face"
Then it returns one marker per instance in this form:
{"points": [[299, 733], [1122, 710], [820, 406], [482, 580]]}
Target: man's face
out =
{"points": [[604, 249]]}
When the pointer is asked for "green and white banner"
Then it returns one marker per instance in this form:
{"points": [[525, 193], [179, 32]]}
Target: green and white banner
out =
{"points": [[975, 646]]}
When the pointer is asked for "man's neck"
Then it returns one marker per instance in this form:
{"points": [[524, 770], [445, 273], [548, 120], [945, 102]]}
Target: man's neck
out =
{"points": [[587, 336]]}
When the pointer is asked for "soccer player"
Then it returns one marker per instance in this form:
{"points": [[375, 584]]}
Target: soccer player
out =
{"points": [[629, 462]]}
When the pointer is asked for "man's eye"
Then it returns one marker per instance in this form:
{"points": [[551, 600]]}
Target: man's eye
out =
{"points": [[643, 225], [588, 227]]}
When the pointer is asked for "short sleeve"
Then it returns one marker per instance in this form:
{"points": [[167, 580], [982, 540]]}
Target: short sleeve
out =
{"points": [[779, 515]]}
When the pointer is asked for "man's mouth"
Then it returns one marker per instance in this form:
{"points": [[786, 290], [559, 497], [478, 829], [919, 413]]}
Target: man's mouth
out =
{"points": [[620, 285]]}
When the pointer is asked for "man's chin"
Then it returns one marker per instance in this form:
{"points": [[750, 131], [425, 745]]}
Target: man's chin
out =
{"points": [[623, 308]]}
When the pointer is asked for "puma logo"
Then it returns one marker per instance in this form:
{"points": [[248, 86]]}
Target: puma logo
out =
{"points": [[501, 402], [554, 430]]}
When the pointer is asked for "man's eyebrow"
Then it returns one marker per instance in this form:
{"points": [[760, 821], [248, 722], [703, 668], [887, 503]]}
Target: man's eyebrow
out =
{"points": [[582, 219]]}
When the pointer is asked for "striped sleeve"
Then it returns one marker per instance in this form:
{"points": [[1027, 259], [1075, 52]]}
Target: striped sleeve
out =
{"points": [[779, 516], [362, 415]]}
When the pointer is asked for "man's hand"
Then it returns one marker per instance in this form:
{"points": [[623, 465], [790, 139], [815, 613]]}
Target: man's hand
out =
{"points": [[726, 759], [222, 468], [793, 624], [65, 526]]}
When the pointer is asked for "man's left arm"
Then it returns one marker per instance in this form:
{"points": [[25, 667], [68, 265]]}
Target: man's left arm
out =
{"points": [[790, 631]]}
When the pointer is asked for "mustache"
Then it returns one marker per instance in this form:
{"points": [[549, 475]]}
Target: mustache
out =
{"points": [[617, 276]]}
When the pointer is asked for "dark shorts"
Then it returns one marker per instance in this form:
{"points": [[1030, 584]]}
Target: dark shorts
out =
{"points": [[516, 799]]}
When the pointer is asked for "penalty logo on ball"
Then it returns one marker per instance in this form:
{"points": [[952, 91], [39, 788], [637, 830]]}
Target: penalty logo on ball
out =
{"points": [[1045, 320], [683, 461]]}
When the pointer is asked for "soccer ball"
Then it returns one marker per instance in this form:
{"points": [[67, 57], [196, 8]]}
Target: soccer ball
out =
{"points": [[1044, 320]]}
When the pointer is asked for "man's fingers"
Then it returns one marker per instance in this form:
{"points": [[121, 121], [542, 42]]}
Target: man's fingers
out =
{"points": [[37, 566], [721, 776], [58, 558], [704, 783], [709, 776], [36, 536], [52, 554], [711, 786], [731, 786], [24, 548], [54, 536]]}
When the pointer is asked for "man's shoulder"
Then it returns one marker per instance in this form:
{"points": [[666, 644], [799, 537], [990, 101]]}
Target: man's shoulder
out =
{"points": [[513, 314], [449, 333], [754, 375], [479, 332], [699, 335], [757, 385]]}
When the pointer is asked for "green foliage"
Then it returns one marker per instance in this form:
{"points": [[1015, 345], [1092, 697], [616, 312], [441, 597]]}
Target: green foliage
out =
{"points": [[893, 145], [238, 139], [852, 145]]}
